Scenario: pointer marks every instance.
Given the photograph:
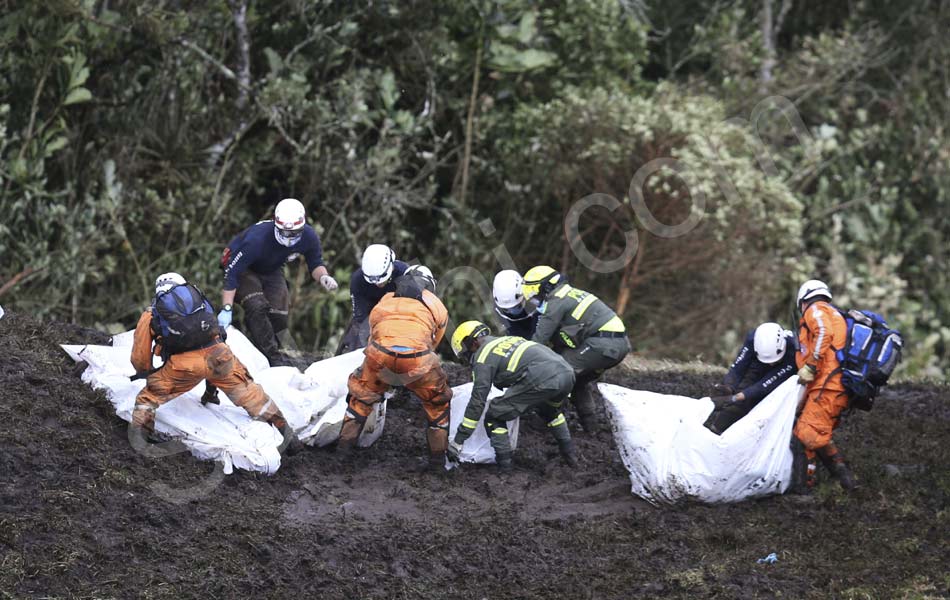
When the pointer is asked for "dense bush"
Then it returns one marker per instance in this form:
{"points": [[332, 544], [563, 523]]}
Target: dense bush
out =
{"points": [[137, 138]]}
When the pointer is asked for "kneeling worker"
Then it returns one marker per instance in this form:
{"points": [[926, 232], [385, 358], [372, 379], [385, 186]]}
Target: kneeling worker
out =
{"points": [[584, 331], [533, 377], [406, 326], [765, 361], [182, 325]]}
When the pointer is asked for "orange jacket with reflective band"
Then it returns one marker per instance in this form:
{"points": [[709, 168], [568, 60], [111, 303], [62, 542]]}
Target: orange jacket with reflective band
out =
{"points": [[821, 331], [408, 322], [142, 344]]}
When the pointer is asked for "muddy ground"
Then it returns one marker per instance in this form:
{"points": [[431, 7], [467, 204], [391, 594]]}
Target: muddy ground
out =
{"points": [[82, 514]]}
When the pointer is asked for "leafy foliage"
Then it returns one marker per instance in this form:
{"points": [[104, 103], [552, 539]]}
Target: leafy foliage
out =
{"points": [[137, 138]]}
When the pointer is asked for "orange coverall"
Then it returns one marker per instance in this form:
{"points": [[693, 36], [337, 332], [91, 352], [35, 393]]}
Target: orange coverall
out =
{"points": [[404, 332], [184, 371], [821, 331]]}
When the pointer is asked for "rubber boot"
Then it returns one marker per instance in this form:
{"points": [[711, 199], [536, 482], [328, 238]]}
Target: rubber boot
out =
{"points": [[568, 453], [503, 460], [501, 444], [349, 433], [834, 462], [291, 444], [211, 395], [565, 444], [845, 476], [437, 439], [583, 401], [799, 467]]}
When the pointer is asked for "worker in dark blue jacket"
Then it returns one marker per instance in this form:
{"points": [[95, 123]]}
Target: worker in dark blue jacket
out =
{"points": [[765, 361], [254, 278], [375, 278]]}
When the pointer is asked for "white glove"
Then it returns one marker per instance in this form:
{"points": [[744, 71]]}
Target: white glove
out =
{"points": [[807, 374], [328, 283]]}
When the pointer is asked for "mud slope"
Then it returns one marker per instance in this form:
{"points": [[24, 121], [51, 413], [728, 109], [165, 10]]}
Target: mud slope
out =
{"points": [[82, 514]]}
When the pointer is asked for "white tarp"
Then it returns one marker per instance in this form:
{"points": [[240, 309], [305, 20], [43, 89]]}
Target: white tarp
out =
{"points": [[671, 457], [313, 402], [477, 448]]}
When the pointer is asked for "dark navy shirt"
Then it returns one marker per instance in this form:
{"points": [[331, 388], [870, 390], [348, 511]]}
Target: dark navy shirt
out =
{"points": [[365, 295], [756, 379], [256, 248], [519, 322]]}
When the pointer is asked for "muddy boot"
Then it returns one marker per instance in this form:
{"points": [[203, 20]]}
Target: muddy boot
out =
{"points": [[799, 467], [845, 476], [834, 462], [291, 444], [211, 395], [503, 460], [568, 453], [437, 439], [349, 433], [565, 445], [501, 444], [583, 401]]}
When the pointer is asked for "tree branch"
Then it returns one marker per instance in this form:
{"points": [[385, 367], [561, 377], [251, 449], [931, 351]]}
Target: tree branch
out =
{"points": [[470, 120]]}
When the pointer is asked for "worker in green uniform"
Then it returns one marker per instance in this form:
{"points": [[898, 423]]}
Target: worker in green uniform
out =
{"points": [[533, 376], [587, 333]]}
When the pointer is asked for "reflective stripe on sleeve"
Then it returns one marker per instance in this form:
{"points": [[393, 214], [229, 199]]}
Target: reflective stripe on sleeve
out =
{"points": [[583, 306], [516, 357], [560, 420], [469, 423]]}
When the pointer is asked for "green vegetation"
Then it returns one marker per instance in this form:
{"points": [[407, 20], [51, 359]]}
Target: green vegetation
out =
{"points": [[811, 138]]}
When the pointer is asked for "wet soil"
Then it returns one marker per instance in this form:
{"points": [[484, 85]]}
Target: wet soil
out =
{"points": [[82, 514]]}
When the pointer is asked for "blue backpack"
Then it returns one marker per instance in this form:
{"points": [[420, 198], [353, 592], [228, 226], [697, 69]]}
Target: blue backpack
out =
{"points": [[184, 319], [871, 352]]}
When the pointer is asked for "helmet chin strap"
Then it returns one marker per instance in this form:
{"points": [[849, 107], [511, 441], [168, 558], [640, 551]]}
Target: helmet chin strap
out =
{"points": [[285, 241]]}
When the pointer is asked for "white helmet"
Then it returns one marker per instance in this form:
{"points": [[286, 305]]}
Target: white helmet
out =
{"points": [[289, 220], [813, 288], [425, 274], [770, 342], [378, 261], [506, 289], [167, 281]]}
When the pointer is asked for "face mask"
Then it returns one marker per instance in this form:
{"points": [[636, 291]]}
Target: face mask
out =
{"points": [[287, 240], [514, 311]]}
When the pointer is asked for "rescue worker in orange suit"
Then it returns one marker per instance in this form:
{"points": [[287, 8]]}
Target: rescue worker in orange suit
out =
{"points": [[405, 328], [191, 345], [822, 330]]}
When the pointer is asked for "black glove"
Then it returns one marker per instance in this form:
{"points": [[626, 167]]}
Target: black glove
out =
{"points": [[453, 451], [721, 389], [723, 401]]}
